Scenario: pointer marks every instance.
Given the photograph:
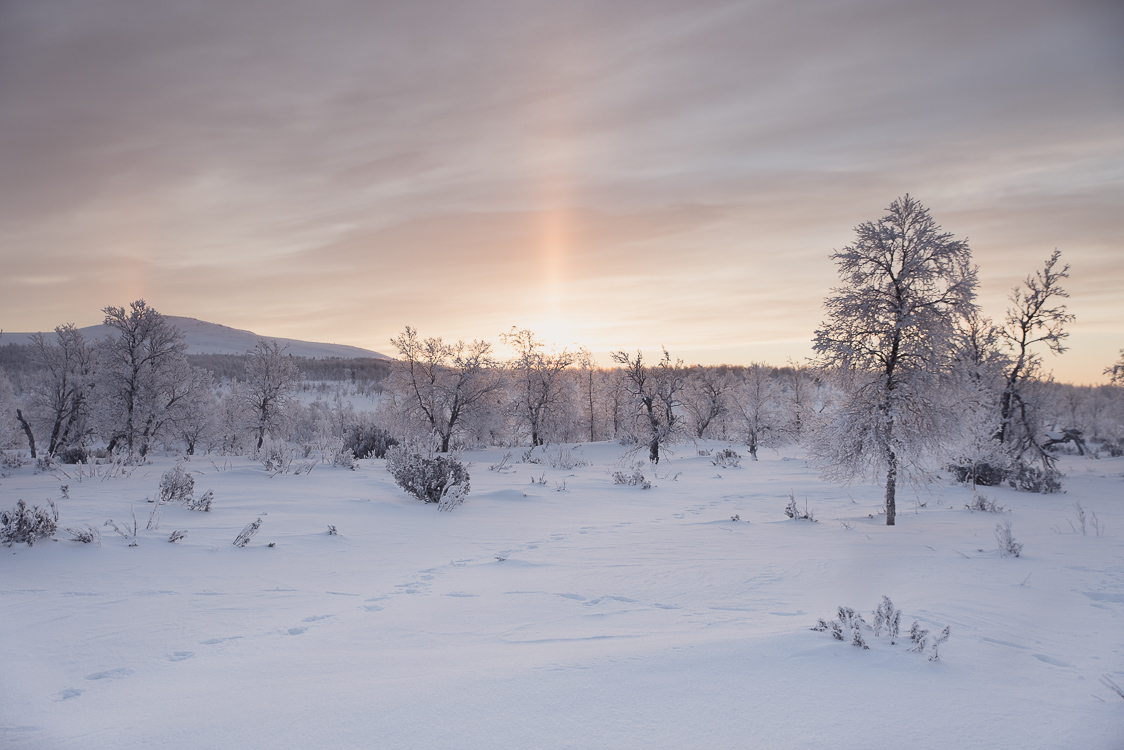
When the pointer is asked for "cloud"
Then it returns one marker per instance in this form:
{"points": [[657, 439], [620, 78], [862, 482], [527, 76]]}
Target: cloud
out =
{"points": [[643, 171]]}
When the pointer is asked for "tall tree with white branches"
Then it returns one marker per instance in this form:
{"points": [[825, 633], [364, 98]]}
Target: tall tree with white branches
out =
{"points": [[889, 328], [443, 383], [657, 394], [271, 378], [538, 380]]}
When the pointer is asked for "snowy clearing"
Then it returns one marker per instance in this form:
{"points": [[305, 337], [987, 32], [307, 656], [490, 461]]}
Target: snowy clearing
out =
{"points": [[594, 616]]}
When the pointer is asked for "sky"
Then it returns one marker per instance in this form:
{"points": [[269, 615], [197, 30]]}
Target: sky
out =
{"points": [[607, 174]]}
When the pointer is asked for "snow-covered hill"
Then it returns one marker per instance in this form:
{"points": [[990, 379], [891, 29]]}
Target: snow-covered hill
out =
{"points": [[211, 338]]}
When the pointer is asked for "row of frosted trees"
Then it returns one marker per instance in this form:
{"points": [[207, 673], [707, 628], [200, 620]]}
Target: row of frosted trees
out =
{"points": [[135, 389], [910, 379]]}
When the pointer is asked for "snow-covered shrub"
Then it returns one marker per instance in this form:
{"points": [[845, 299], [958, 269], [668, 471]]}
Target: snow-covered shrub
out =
{"points": [[332, 530], [247, 533], [125, 531], [885, 616], [563, 458], [74, 454], [923, 639], [277, 457], [176, 485], [635, 479], [84, 534], [502, 467], [727, 458], [176, 535], [338, 454], [368, 441], [981, 503], [23, 525], [427, 477], [849, 626], [792, 511], [1035, 479], [12, 460], [985, 474], [203, 503], [1008, 547]]}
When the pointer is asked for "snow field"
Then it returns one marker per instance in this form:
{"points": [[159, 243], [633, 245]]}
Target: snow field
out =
{"points": [[618, 617]]}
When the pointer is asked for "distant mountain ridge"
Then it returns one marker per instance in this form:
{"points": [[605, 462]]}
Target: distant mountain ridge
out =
{"points": [[211, 338]]}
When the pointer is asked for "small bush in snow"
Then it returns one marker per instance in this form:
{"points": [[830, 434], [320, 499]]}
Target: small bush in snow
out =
{"points": [[176, 485], [885, 616], [247, 533], [343, 457], [922, 640], [84, 534], [981, 503], [12, 460], [502, 467], [727, 458], [176, 535], [635, 479], [277, 457], [74, 454], [124, 530], [1083, 522], [564, 458], [332, 530], [23, 525], [1035, 479], [850, 627], [792, 511], [1008, 547], [368, 441], [427, 477], [203, 503]]}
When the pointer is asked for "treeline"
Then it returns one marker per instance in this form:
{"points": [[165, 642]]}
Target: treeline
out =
{"points": [[910, 379]]}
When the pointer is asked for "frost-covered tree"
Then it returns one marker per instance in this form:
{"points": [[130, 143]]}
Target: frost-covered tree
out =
{"points": [[60, 394], [707, 397], [759, 417], [144, 382], [442, 383], [889, 327], [134, 364], [656, 393], [1116, 372], [271, 378], [588, 367], [538, 380], [8, 424], [976, 381], [1036, 316]]}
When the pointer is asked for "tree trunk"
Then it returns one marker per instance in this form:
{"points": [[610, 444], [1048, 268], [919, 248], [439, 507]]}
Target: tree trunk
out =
{"points": [[891, 488], [27, 431], [654, 450]]}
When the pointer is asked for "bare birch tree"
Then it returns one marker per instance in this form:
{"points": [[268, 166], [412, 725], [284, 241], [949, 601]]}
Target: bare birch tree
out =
{"points": [[443, 382], [59, 399], [271, 378], [538, 380], [1036, 316], [656, 392], [136, 366]]}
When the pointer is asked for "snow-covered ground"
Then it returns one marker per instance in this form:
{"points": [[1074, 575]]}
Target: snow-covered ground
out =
{"points": [[601, 616]]}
